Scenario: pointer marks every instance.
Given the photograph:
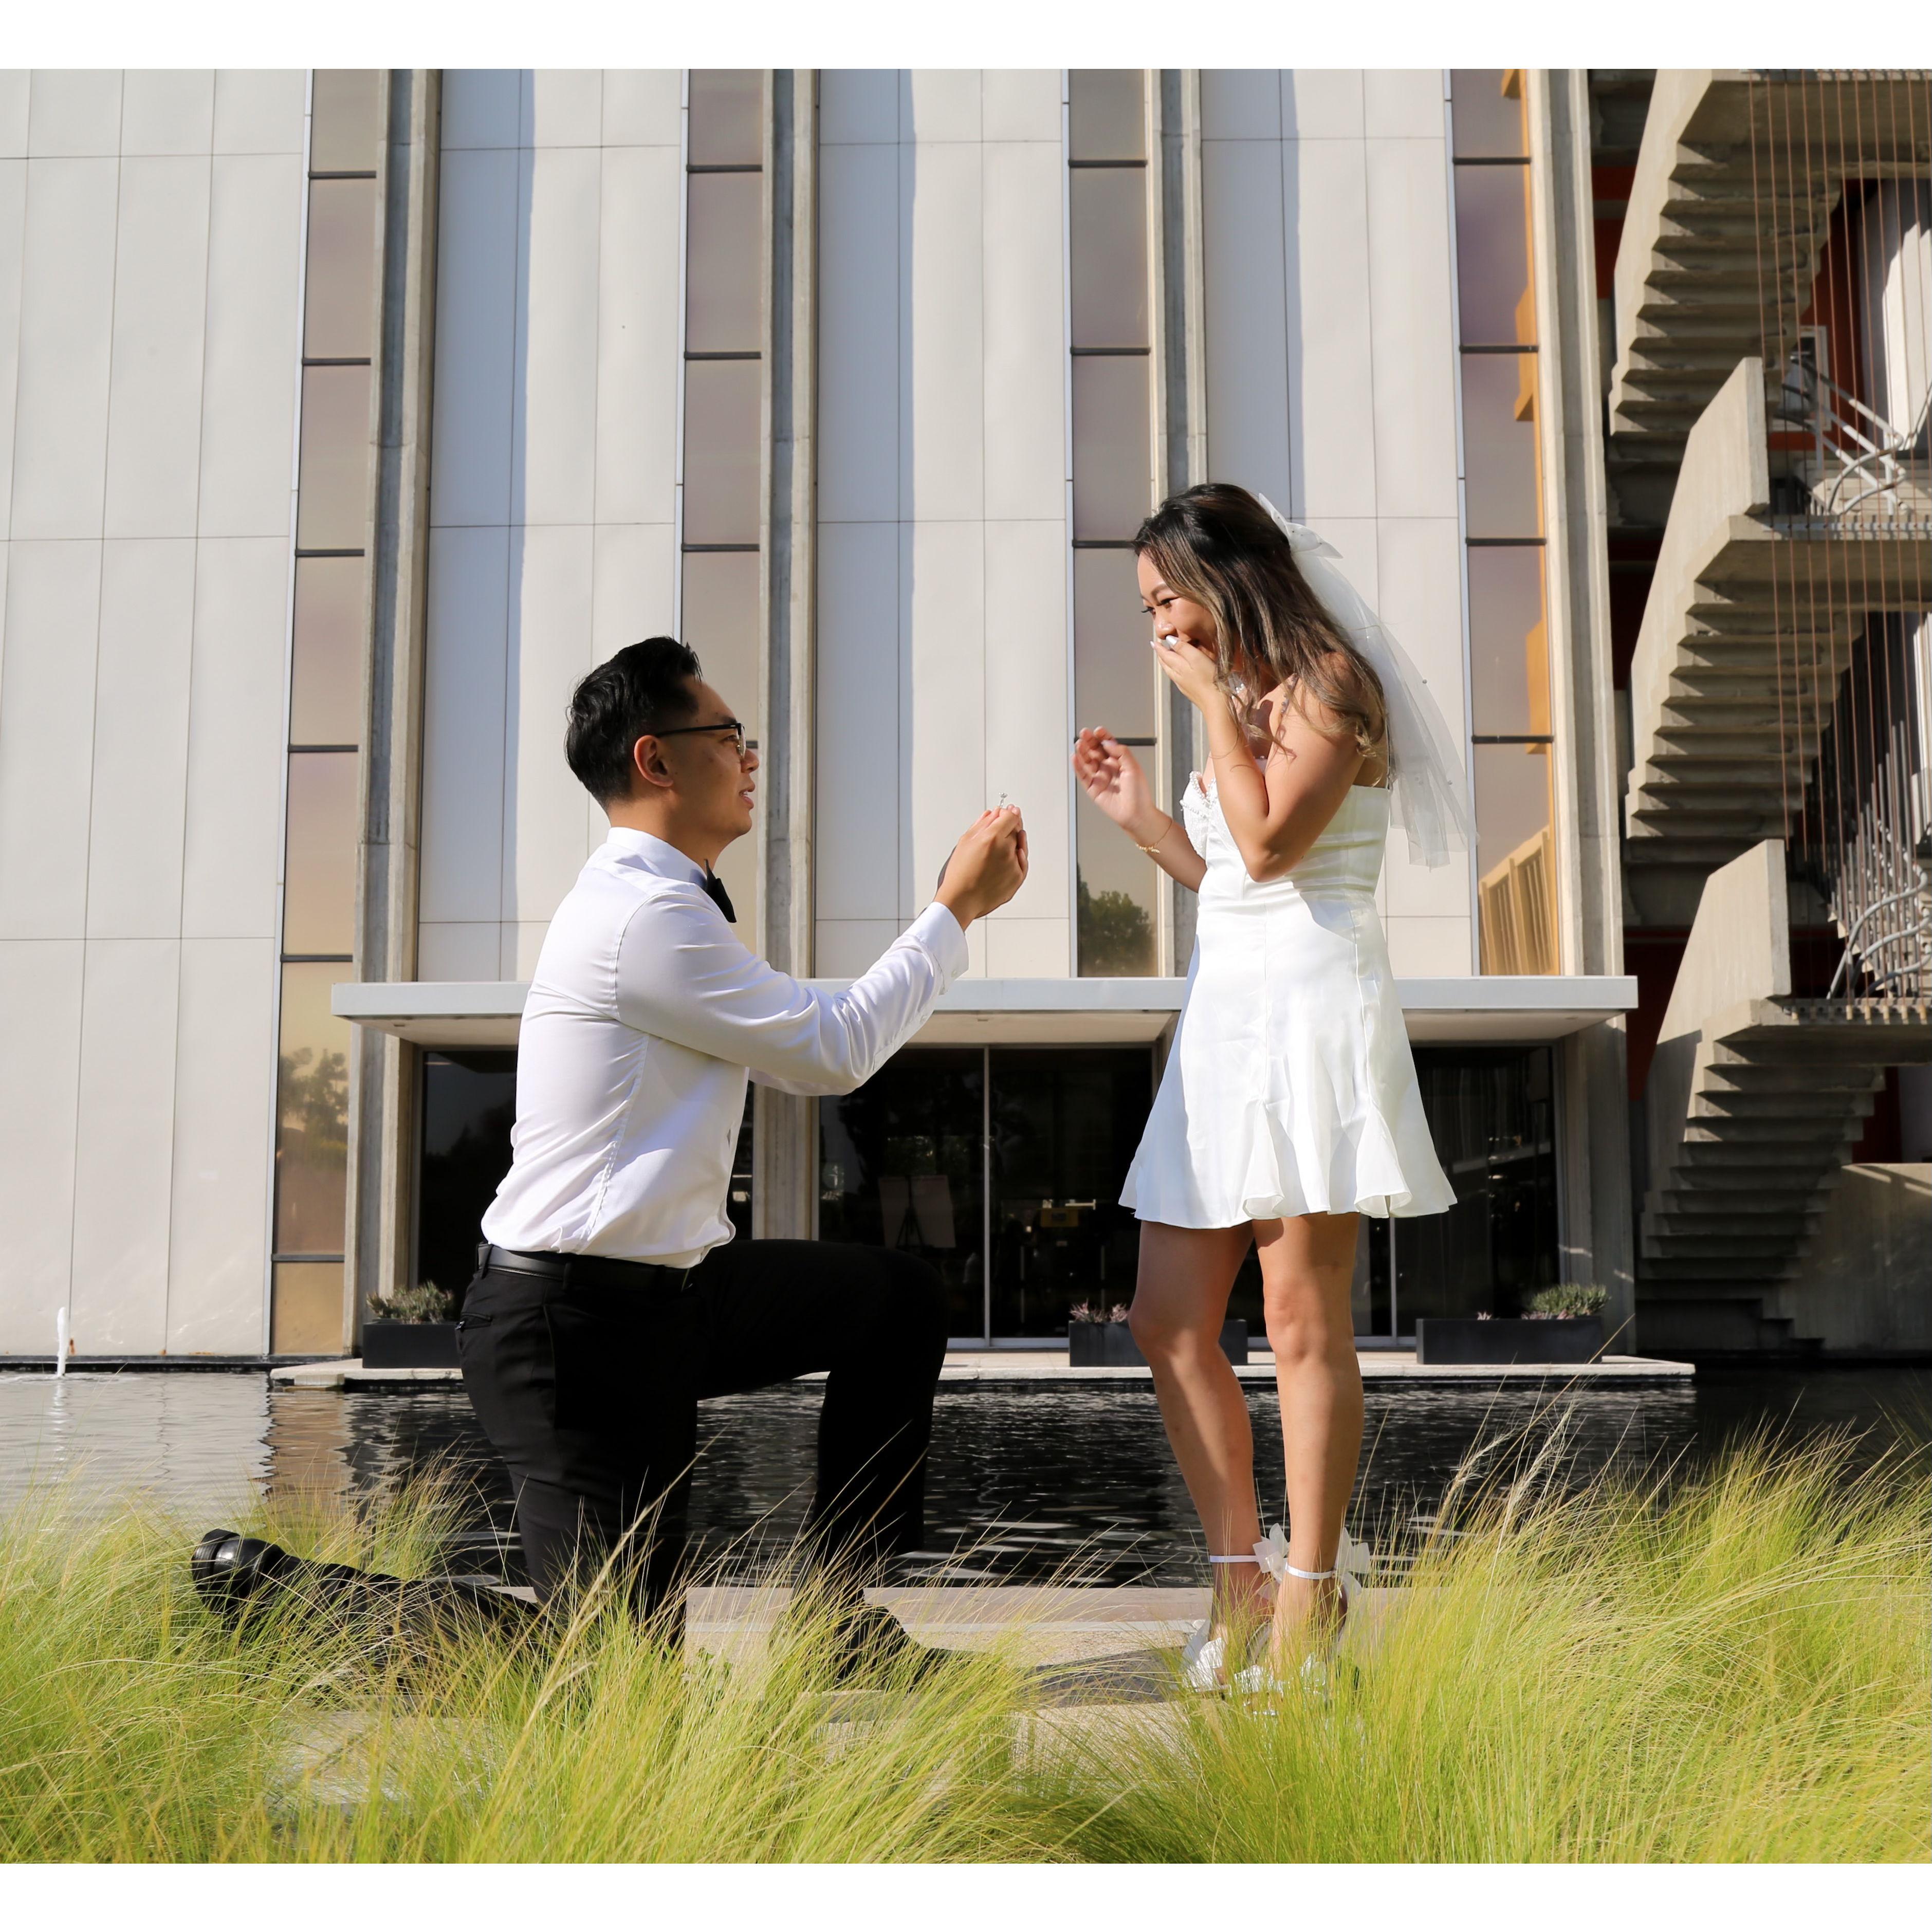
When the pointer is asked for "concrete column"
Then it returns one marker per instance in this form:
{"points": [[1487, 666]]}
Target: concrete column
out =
{"points": [[1593, 1144], [1180, 417], [785, 1125], [383, 1087]]}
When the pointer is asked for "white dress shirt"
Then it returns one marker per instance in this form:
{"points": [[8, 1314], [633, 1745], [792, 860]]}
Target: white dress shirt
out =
{"points": [[645, 1016]]}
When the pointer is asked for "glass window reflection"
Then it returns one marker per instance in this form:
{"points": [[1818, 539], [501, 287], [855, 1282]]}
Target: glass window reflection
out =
{"points": [[1106, 117], [1501, 459], [1113, 446], [318, 908], [1116, 682], [1495, 302], [346, 126], [1509, 642], [311, 1114], [339, 291], [326, 697], [724, 263], [308, 1314], [1114, 901], [332, 511], [721, 443], [728, 116], [1515, 859], [720, 624], [1485, 107], [1108, 238]]}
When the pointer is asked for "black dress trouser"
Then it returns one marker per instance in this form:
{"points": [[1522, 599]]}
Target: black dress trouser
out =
{"points": [[590, 1395]]}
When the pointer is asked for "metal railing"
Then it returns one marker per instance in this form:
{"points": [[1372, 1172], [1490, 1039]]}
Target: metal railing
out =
{"points": [[1855, 449]]}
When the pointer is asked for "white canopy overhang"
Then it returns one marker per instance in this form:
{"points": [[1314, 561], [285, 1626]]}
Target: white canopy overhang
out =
{"points": [[1497, 1010]]}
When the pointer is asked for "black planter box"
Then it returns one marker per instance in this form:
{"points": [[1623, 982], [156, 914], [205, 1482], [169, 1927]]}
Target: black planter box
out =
{"points": [[1110, 1345], [409, 1345], [1569, 1338]]}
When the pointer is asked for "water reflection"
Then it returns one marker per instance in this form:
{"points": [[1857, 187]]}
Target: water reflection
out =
{"points": [[192, 1440], [1025, 1478]]}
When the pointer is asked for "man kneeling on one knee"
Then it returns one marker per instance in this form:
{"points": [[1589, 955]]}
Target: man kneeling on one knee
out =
{"points": [[611, 1298]]}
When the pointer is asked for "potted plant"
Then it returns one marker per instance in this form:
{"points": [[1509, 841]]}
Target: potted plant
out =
{"points": [[414, 1328], [1563, 1323], [1099, 1338]]}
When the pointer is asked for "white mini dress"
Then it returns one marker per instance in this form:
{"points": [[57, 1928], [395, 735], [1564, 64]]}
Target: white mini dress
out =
{"points": [[1290, 1088]]}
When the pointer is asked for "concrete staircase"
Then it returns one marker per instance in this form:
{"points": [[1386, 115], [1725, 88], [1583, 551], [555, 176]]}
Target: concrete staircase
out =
{"points": [[1780, 1091], [1721, 230], [1752, 1104], [1750, 622]]}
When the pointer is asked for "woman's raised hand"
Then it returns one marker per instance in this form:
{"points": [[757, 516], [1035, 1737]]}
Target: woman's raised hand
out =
{"points": [[1190, 668], [1112, 777]]}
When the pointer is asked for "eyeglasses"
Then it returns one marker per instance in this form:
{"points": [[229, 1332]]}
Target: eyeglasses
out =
{"points": [[730, 725]]}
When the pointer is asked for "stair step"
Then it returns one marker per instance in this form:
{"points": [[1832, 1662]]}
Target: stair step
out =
{"points": [[1840, 1052], [1686, 1211], [1737, 1235], [1743, 1272], [1770, 1252], [1670, 769], [1790, 1096], [1766, 1056], [1710, 1220]]}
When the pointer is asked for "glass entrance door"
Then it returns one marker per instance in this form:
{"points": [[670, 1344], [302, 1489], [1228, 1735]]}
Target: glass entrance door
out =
{"points": [[1065, 1124], [901, 1164], [952, 1154]]}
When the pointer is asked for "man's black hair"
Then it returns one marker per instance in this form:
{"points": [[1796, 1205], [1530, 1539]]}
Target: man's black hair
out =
{"points": [[646, 687]]}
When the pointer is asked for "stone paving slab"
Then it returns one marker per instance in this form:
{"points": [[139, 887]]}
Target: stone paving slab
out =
{"points": [[1130, 1626], [1102, 1663]]}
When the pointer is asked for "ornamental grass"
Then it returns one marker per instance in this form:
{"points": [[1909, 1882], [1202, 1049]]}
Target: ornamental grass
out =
{"points": [[1726, 1666]]}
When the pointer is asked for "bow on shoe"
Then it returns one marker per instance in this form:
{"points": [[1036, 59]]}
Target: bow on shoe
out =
{"points": [[1352, 1559]]}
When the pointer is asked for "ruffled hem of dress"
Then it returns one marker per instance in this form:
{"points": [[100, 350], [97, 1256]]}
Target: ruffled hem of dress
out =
{"points": [[1364, 1173]]}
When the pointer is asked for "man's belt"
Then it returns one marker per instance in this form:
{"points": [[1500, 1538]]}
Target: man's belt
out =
{"points": [[586, 1270]]}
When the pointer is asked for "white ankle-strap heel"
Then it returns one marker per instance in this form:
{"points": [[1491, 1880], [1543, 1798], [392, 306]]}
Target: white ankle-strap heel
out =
{"points": [[1203, 1657], [1351, 1562]]}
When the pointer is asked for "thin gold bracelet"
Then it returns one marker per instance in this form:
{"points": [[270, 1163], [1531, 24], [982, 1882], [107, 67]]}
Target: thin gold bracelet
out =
{"points": [[1150, 850]]}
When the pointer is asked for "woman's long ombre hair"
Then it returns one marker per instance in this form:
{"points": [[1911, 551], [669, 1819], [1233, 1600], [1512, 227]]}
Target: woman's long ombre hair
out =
{"points": [[1216, 545]]}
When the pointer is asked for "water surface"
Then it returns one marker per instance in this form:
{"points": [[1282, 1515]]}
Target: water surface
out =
{"points": [[1025, 1478]]}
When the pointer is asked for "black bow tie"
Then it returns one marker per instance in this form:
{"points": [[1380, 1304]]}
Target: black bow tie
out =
{"points": [[714, 890]]}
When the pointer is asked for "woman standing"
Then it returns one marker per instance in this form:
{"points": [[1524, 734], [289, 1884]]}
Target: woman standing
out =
{"points": [[1289, 1105]]}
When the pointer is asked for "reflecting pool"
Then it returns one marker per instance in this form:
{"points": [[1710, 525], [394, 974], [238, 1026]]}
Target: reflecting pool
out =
{"points": [[1025, 1479]]}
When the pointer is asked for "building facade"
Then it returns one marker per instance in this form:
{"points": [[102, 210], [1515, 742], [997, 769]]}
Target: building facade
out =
{"points": [[354, 415]]}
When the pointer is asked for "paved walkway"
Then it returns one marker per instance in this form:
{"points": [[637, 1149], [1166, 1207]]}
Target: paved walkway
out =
{"points": [[1134, 1630], [1049, 1367]]}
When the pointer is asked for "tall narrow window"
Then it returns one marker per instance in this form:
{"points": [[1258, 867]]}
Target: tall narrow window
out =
{"points": [[325, 711], [721, 511], [1115, 682], [1509, 649]]}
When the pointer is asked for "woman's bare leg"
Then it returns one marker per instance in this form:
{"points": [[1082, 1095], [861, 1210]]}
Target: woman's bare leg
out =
{"points": [[1180, 1300], [1308, 1264]]}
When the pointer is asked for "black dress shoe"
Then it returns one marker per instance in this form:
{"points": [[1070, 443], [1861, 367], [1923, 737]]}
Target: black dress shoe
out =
{"points": [[871, 1642], [230, 1571]]}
